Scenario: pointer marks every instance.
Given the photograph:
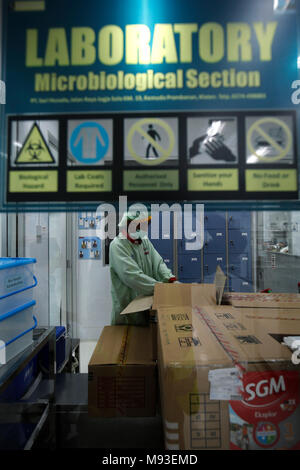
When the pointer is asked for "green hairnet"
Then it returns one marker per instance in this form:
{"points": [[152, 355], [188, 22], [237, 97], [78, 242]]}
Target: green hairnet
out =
{"points": [[138, 216]]}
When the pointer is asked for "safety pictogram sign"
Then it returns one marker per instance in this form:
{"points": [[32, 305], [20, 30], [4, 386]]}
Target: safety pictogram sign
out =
{"points": [[89, 142], [269, 139], [149, 129], [35, 149]]}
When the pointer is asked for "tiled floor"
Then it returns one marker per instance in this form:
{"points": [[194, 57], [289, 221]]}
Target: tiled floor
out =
{"points": [[86, 349]]}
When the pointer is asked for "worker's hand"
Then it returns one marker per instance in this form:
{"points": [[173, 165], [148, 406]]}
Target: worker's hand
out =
{"points": [[172, 280]]}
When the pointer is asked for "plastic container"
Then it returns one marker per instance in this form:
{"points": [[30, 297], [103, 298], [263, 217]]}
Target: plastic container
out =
{"points": [[16, 330], [17, 281]]}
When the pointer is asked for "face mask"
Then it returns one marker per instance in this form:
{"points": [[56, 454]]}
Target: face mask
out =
{"points": [[138, 235]]}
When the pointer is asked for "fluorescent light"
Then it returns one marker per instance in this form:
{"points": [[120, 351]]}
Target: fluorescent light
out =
{"points": [[281, 5], [30, 5]]}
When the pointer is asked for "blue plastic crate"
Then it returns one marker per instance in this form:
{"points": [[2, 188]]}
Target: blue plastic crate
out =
{"points": [[16, 330], [17, 281]]}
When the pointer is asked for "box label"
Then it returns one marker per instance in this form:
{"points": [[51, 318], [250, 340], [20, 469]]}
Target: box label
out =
{"points": [[14, 283], [225, 384], [268, 417], [121, 393], [205, 422]]}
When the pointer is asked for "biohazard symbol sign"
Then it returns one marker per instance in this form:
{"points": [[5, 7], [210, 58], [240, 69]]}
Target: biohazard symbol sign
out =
{"points": [[35, 149]]}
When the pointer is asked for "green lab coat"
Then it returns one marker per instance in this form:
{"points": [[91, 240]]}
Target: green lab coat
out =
{"points": [[134, 270]]}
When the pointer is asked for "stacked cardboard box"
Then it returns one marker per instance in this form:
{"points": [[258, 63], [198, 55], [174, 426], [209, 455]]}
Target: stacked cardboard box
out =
{"points": [[226, 380], [207, 353], [122, 373]]}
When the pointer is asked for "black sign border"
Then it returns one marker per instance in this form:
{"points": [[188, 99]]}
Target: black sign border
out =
{"points": [[118, 165]]}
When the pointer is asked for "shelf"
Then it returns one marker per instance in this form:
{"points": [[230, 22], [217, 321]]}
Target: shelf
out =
{"points": [[12, 368], [71, 392], [22, 424], [23, 421], [72, 344], [63, 365]]}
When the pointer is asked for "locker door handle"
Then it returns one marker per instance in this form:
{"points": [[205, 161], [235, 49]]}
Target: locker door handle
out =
{"points": [[231, 242], [206, 267]]}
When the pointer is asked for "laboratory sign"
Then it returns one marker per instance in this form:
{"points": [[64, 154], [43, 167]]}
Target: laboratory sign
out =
{"points": [[182, 100], [170, 54]]}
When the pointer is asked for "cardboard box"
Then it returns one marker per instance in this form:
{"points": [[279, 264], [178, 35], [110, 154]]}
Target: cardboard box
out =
{"points": [[205, 353], [265, 300], [153, 327], [278, 322], [122, 373]]}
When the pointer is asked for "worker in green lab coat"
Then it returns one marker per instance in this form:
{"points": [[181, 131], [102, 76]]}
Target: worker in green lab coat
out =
{"points": [[135, 267]]}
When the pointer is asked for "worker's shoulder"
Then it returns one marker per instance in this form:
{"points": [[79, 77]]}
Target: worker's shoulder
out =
{"points": [[147, 243], [119, 243]]}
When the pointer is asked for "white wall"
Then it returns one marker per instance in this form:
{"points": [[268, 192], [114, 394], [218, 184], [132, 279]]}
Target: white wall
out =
{"points": [[93, 295], [57, 268], [38, 248], [295, 233], [93, 278]]}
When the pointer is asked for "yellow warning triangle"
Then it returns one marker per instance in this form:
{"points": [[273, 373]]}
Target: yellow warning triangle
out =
{"points": [[35, 148]]}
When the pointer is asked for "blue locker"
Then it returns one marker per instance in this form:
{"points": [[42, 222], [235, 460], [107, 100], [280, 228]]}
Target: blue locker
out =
{"points": [[240, 285], [189, 267], [182, 248], [240, 265], [165, 252], [239, 241], [214, 241], [210, 263], [169, 262], [239, 220], [190, 281], [163, 241], [164, 247], [215, 220]]}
